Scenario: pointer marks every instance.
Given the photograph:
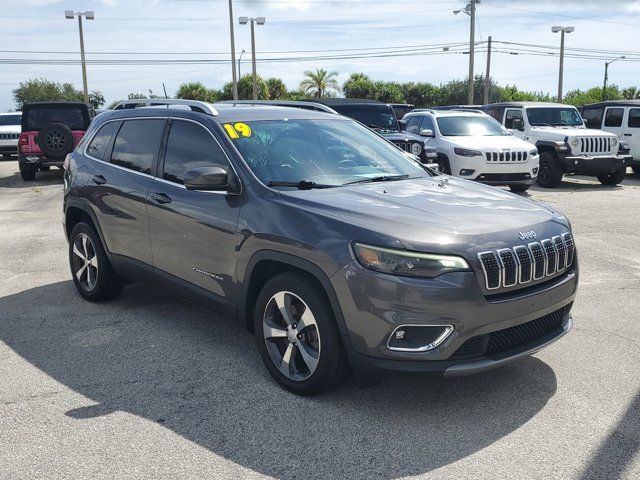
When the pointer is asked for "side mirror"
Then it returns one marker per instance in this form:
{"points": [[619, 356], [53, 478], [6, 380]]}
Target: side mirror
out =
{"points": [[427, 133], [402, 124], [207, 178], [517, 124]]}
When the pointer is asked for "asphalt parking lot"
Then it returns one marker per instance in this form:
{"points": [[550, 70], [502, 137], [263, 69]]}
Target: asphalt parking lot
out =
{"points": [[149, 386]]}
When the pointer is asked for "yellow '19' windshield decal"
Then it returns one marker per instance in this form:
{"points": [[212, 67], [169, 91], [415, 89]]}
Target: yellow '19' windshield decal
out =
{"points": [[237, 130]]}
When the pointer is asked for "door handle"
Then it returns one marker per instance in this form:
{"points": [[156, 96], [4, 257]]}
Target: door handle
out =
{"points": [[161, 198], [98, 180], [627, 134]]}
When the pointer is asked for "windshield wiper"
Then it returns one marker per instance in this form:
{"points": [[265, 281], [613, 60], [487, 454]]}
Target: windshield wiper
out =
{"points": [[300, 185], [380, 178]]}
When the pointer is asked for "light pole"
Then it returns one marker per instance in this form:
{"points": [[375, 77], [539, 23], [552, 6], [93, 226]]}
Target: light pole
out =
{"points": [[470, 10], [606, 75], [234, 79], [259, 21], [70, 14], [562, 30], [239, 60]]}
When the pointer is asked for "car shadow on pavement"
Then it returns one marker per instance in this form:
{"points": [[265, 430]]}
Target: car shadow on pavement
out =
{"points": [[52, 177], [199, 375]]}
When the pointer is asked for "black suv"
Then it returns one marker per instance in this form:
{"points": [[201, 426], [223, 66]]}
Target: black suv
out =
{"points": [[336, 248]]}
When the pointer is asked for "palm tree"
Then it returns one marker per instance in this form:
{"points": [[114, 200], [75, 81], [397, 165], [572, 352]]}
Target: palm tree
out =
{"points": [[320, 83]]}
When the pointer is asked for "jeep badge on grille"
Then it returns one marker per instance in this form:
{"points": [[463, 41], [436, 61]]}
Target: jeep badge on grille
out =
{"points": [[526, 235]]}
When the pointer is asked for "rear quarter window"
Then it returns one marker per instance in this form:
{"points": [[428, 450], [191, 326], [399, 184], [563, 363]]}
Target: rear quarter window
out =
{"points": [[593, 117], [613, 117], [634, 118], [99, 143]]}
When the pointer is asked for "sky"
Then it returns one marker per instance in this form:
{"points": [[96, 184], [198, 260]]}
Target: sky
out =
{"points": [[140, 30]]}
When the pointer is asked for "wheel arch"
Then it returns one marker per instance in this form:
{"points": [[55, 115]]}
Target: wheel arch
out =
{"points": [[76, 210]]}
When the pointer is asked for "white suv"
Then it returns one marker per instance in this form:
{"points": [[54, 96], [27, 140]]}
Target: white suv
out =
{"points": [[620, 117], [9, 133], [565, 145], [472, 145]]}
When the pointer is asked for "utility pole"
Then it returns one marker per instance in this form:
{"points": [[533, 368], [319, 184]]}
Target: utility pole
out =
{"points": [[69, 14], [234, 79], [606, 75], [487, 75], [562, 31], [240, 60], [470, 10]]}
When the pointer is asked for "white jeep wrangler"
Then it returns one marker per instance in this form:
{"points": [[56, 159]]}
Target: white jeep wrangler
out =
{"points": [[564, 143]]}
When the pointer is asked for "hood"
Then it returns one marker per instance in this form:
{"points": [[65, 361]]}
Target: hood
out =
{"points": [[492, 143], [402, 137], [562, 132], [437, 214]]}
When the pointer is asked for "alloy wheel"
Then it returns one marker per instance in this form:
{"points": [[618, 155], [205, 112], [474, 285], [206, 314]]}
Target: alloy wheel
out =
{"points": [[85, 261], [291, 335]]}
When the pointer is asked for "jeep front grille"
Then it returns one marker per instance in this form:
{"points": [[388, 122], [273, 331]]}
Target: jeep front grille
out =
{"points": [[592, 145], [519, 265], [406, 146], [506, 157], [9, 136]]}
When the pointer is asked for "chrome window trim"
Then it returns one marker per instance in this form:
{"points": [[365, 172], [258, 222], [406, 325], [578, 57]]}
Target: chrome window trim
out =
{"points": [[486, 277], [535, 263], [448, 330], [524, 247], [504, 268]]}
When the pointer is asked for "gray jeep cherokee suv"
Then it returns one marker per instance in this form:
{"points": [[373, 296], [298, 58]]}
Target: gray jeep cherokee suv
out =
{"points": [[337, 249]]}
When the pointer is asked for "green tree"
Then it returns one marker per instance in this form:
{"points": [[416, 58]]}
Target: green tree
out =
{"points": [[630, 93], [96, 99], [359, 85], [420, 94], [389, 92], [41, 90], [579, 97], [197, 91], [277, 89], [137, 96], [320, 83], [245, 89]]}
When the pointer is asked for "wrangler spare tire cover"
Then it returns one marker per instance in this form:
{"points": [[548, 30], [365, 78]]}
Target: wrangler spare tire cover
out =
{"points": [[55, 140]]}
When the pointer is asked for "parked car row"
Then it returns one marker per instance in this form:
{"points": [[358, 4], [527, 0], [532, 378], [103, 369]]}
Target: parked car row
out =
{"points": [[9, 133]]}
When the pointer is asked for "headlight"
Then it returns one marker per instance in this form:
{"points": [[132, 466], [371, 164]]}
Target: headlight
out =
{"points": [[614, 142], [406, 263], [416, 148], [465, 152], [533, 152], [575, 142]]}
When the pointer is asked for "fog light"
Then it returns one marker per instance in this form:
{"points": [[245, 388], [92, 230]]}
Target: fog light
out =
{"points": [[465, 172], [534, 170], [418, 338], [400, 334]]}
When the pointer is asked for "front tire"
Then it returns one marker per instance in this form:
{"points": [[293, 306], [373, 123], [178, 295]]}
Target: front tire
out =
{"points": [[297, 335], [550, 173], [92, 274], [613, 178], [28, 174]]}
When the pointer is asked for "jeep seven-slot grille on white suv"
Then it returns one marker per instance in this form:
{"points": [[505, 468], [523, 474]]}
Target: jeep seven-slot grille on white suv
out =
{"points": [[520, 265], [594, 145], [506, 156]]}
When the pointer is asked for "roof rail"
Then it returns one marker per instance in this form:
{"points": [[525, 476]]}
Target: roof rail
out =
{"points": [[194, 105], [430, 110], [307, 105], [472, 110]]}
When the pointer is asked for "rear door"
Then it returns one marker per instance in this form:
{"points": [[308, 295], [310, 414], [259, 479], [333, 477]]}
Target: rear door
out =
{"points": [[632, 132], [120, 181], [193, 233]]}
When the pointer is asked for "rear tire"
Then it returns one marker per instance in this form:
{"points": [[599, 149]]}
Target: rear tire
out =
{"points": [[445, 166], [302, 348], [28, 174], [550, 173], [519, 188], [92, 274], [613, 178]]}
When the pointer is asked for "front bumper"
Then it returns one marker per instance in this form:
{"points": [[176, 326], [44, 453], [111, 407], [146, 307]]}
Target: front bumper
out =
{"points": [[596, 165], [374, 305], [489, 173], [11, 148]]}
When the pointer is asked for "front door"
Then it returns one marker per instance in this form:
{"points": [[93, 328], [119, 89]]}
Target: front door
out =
{"points": [[631, 132], [193, 233], [613, 120]]}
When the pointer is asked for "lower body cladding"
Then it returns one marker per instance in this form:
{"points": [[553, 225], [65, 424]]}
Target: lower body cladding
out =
{"points": [[447, 325], [516, 173], [595, 165]]}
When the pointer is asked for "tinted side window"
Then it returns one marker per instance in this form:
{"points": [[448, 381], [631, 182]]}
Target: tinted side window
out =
{"points": [[511, 114], [100, 141], [137, 144], [593, 117], [496, 113], [427, 124], [414, 124], [613, 117], [190, 146], [634, 118]]}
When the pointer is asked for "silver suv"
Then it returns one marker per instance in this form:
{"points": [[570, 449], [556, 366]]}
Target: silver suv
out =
{"points": [[339, 250]]}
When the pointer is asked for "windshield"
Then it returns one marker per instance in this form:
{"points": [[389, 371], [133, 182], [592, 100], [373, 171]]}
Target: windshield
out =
{"points": [[6, 120], [327, 152], [553, 116], [373, 116], [72, 116], [470, 126]]}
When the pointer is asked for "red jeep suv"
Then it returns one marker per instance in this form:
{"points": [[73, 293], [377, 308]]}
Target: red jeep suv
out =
{"points": [[50, 131]]}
